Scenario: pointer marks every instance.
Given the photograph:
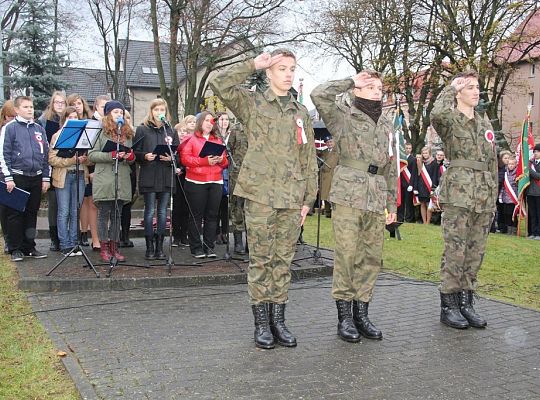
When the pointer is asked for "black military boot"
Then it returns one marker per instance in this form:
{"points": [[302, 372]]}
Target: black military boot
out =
{"points": [[362, 322], [238, 243], [263, 335], [276, 316], [467, 310], [328, 209], [158, 250], [450, 313], [149, 254], [55, 242], [345, 328]]}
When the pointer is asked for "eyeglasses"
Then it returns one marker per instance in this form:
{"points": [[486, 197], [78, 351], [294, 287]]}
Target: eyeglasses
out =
{"points": [[59, 102]]}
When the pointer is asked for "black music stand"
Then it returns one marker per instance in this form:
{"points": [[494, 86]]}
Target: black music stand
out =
{"points": [[77, 136]]}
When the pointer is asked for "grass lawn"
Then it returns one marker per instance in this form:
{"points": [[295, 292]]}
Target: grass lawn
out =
{"points": [[510, 271], [29, 366]]}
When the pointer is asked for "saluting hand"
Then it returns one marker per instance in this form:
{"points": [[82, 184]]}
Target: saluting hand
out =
{"points": [[363, 79], [460, 83], [265, 60]]}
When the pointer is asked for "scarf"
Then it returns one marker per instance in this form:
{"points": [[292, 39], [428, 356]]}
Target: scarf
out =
{"points": [[373, 108]]}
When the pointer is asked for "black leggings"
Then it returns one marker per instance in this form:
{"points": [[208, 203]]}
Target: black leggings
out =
{"points": [[204, 200]]}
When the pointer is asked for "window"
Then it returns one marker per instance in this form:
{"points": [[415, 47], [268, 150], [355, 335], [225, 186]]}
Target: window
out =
{"points": [[531, 99], [150, 70], [533, 70]]}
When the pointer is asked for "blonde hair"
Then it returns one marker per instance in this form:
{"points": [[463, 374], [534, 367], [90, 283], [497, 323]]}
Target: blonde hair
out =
{"points": [[49, 112], [187, 119], [150, 117]]}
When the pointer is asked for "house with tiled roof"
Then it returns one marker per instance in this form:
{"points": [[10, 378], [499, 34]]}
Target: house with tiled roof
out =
{"points": [[141, 78], [90, 83], [523, 53]]}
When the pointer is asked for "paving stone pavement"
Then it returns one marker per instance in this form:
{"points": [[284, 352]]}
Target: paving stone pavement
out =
{"points": [[197, 343]]}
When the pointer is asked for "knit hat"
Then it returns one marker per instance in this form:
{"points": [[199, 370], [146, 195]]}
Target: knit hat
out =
{"points": [[111, 105], [537, 147]]}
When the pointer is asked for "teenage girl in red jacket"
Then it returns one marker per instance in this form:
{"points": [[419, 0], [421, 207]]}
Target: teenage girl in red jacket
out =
{"points": [[204, 185]]}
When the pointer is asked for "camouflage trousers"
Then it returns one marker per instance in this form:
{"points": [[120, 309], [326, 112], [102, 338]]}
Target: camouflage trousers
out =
{"points": [[465, 234], [272, 235], [359, 239], [236, 210]]}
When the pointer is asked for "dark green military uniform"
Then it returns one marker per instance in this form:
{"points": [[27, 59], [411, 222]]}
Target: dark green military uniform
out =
{"points": [[330, 158], [359, 197], [278, 176], [238, 146], [468, 192]]}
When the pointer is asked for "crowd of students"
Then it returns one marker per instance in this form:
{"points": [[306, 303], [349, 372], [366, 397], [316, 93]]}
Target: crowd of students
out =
{"points": [[98, 196], [199, 188]]}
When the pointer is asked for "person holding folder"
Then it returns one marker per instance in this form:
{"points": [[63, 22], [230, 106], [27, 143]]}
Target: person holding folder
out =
{"points": [[104, 156], [204, 183], [50, 121], [64, 178], [24, 163], [151, 152]]}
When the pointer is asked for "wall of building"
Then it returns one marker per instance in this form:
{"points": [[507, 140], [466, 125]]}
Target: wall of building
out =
{"points": [[522, 89]]}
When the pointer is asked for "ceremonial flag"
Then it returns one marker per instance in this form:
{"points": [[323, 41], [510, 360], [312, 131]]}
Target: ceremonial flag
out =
{"points": [[401, 156], [300, 97], [524, 152]]}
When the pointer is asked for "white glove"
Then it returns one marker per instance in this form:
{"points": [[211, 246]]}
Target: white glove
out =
{"points": [[409, 188]]}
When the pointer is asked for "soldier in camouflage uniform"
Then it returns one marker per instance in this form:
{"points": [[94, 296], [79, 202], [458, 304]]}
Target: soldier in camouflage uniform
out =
{"points": [[238, 147], [468, 194], [330, 158], [278, 181], [363, 186]]}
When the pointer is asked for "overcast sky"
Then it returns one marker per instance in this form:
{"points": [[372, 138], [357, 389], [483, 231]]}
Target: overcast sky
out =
{"points": [[312, 66]]}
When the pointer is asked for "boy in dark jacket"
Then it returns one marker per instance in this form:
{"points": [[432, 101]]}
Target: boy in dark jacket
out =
{"points": [[24, 161]]}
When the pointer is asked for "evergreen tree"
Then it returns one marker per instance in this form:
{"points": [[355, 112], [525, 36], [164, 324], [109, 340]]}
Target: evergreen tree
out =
{"points": [[32, 58]]}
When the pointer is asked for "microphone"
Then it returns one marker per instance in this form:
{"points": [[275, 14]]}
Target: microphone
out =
{"points": [[162, 118], [120, 122]]}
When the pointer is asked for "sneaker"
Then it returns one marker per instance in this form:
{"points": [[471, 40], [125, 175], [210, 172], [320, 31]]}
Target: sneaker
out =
{"points": [[199, 254], [78, 253], [184, 242], [35, 254], [210, 253], [537, 238], [17, 255], [66, 252], [531, 237], [176, 243]]}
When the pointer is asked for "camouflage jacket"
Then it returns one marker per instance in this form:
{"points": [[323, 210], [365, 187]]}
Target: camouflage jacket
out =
{"points": [[359, 139], [276, 170], [238, 146], [473, 187]]}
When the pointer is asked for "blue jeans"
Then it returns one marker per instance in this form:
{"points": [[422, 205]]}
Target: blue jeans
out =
{"points": [[67, 220], [149, 207]]}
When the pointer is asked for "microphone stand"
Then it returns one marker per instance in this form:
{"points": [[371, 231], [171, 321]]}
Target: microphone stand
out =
{"points": [[113, 261], [316, 254], [174, 167], [77, 247]]}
